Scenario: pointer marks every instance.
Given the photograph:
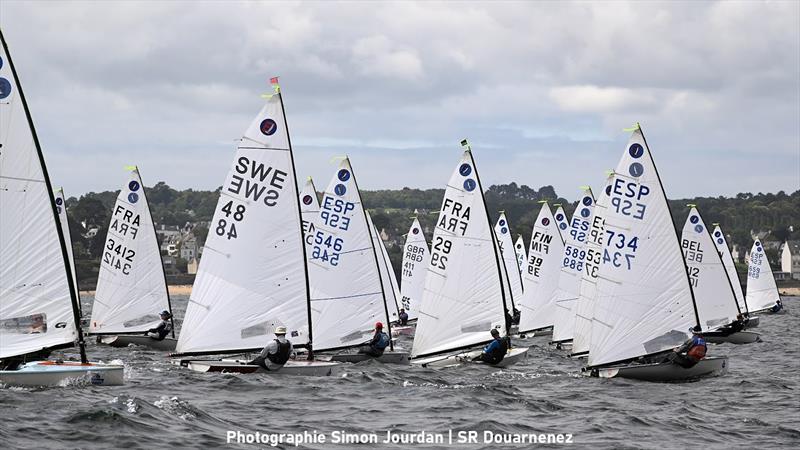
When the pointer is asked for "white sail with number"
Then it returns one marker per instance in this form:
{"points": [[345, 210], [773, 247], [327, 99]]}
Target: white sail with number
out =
{"points": [[464, 293], [762, 293], [503, 231], [538, 303], [347, 294], [415, 267], [572, 268], [252, 277], [35, 298], [131, 288], [644, 302], [730, 268], [716, 303]]}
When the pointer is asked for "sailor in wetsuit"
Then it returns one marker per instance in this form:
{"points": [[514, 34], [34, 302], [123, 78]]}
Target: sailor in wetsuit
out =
{"points": [[777, 306], [691, 352], [403, 317], [163, 329], [733, 327], [378, 344], [496, 350], [276, 353]]}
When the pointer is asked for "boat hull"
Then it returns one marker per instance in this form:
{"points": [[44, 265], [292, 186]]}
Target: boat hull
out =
{"points": [[305, 368], [666, 371], [124, 340], [741, 337], [386, 358], [400, 330], [752, 322], [513, 356], [52, 373]]}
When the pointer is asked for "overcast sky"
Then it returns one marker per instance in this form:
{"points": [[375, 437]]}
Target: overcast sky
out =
{"points": [[542, 90]]}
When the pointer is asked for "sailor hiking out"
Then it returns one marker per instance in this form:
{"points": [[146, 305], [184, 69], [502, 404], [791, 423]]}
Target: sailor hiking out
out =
{"points": [[276, 353], [691, 352], [377, 344], [163, 329], [495, 351]]}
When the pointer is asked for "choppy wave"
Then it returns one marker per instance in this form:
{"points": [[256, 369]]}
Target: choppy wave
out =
{"points": [[162, 405]]}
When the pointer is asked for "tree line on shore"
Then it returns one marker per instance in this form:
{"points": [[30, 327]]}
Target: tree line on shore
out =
{"points": [[392, 210]]}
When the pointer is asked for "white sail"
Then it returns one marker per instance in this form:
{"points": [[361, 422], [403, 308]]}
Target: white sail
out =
{"points": [[730, 267], [762, 293], [390, 286], [584, 309], [35, 299], [252, 277], [644, 301], [503, 231], [309, 211], [572, 268], [415, 267], [713, 294], [131, 288], [347, 294], [61, 209], [522, 255], [562, 221], [538, 303], [463, 297]]}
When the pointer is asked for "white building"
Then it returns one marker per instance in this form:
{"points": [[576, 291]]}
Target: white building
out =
{"points": [[790, 259]]}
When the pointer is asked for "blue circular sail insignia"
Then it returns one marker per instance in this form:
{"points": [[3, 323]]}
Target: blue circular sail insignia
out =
{"points": [[133, 185], [340, 189], [559, 217], [717, 233], [585, 212], [5, 88], [59, 201], [465, 169], [502, 222], [636, 170], [563, 226], [608, 190], [545, 221], [698, 228], [415, 230], [504, 230], [587, 200], [343, 175], [636, 150], [469, 184], [720, 241], [694, 219], [133, 197], [307, 199], [268, 127]]}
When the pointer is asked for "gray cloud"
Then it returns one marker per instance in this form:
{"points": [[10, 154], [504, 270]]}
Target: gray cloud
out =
{"points": [[541, 89]]}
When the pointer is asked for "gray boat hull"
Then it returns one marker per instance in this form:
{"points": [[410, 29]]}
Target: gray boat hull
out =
{"points": [[741, 337], [665, 371], [386, 358], [124, 340]]}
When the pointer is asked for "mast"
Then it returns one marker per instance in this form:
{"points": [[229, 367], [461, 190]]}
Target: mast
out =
{"points": [[302, 236], [674, 228], [374, 254], [160, 257], [68, 271], [494, 240]]}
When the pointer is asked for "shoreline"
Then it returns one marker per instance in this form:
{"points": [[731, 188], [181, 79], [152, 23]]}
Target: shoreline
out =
{"points": [[177, 289], [789, 291]]}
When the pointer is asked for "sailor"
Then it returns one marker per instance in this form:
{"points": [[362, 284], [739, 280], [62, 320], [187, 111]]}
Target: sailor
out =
{"points": [[496, 350], [691, 352], [378, 344], [37, 324], [403, 317], [734, 327], [163, 329], [515, 317], [777, 306], [276, 353]]}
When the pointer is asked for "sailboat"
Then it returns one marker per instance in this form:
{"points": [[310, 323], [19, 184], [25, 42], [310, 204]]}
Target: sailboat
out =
{"points": [[538, 303], [572, 268], [348, 289], [415, 266], [522, 255], [391, 288], [465, 294], [584, 308], [131, 285], [713, 293], [762, 293], [644, 305], [252, 277], [503, 231], [730, 268], [39, 311], [61, 209]]}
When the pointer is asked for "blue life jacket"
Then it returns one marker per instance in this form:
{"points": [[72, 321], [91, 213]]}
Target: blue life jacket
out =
{"points": [[383, 342]]}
